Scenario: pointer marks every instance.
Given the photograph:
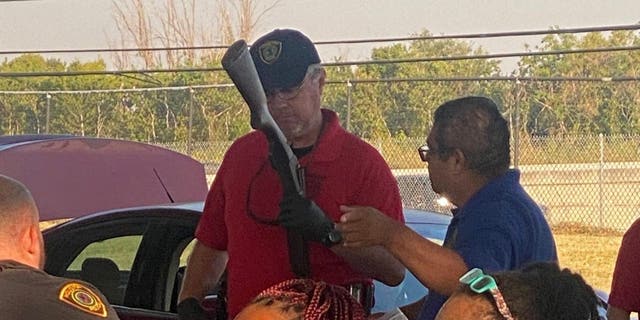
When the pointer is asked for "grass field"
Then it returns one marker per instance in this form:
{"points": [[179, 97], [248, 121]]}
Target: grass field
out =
{"points": [[591, 253], [592, 256]]}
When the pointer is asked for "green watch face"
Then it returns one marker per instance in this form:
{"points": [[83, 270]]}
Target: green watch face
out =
{"points": [[335, 236]]}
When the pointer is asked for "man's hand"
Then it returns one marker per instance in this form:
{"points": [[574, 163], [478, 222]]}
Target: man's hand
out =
{"points": [[365, 226], [190, 309], [303, 216]]}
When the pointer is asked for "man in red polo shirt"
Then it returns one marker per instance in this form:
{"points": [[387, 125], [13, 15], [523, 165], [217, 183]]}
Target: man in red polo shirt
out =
{"points": [[238, 228]]}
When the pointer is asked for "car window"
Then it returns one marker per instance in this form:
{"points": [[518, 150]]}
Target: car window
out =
{"points": [[107, 265], [122, 250]]}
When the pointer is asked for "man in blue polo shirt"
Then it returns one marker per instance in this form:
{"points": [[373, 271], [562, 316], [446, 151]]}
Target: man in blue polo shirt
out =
{"points": [[496, 225]]}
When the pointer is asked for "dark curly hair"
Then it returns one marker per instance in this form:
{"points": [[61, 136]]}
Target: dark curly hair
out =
{"points": [[543, 291]]}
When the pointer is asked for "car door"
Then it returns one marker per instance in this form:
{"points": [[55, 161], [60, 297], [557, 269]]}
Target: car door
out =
{"points": [[132, 256]]}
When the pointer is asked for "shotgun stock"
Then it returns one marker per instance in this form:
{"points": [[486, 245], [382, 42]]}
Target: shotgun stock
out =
{"points": [[239, 65]]}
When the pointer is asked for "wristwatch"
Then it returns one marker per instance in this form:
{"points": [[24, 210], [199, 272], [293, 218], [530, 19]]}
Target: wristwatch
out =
{"points": [[332, 238]]}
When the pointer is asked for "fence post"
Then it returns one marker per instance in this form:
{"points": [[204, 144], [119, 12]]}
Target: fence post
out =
{"points": [[516, 127], [48, 112], [349, 85], [600, 183], [190, 121]]}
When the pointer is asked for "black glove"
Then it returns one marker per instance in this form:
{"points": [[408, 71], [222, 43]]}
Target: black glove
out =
{"points": [[190, 309], [303, 216]]}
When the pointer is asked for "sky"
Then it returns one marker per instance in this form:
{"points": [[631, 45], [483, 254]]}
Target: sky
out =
{"points": [[81, 24]]}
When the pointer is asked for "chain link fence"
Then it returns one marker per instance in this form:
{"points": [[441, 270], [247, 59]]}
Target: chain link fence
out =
{"points": [[603, 193], [577, 180], [584, 180]]}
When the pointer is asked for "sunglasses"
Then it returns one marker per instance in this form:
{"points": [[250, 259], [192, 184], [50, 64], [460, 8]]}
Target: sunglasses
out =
{"points": [[479, 282], [425, 152], [292, 93]]}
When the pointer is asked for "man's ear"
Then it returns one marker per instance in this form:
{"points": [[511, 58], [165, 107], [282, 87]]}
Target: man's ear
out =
{"points": [[458, 160], [321, 80], [34, 238], [34, 245]]}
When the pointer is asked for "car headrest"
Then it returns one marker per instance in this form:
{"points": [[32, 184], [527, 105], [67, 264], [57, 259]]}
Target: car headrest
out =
{"points": [[103, 270], [104, 274]]}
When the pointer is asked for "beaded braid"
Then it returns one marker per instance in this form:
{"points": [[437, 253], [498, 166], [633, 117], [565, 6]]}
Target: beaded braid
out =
{"points": [[317, 300]]}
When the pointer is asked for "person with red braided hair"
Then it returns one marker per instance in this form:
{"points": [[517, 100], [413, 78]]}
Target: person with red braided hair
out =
{"points": [[303, 299]]}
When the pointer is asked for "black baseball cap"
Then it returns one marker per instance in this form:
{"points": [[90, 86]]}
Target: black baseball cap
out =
{"points": [[282, 57]]}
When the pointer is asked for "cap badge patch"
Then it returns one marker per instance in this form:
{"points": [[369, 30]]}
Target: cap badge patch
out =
{"points": [[83, 298], [270, 51]]}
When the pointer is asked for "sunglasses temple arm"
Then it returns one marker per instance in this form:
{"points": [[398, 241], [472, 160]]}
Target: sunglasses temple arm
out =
{"points": [[501, 304]]}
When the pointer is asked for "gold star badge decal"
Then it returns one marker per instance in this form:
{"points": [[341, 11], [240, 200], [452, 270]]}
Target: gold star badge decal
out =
{"points": [[270, 51]]}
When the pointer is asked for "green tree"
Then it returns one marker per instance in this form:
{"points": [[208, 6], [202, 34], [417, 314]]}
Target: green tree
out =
{"points": [[581, 107], [24, 113], [404, 108]]}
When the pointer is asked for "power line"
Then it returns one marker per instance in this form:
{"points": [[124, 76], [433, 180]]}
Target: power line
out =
{"points": [[484, 56], [101, 72], [131, 90], [94, 50], [490, 35], [348, 81], [490, 78], [352, 41], [328, 64]]}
